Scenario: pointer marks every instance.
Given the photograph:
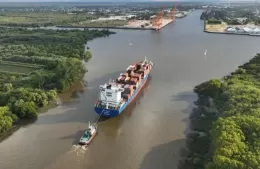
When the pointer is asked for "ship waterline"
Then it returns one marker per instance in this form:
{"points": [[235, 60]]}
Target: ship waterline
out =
{"points": [[115, 97]]}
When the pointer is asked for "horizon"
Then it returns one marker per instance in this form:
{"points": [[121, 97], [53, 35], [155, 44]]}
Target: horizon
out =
{"points": [[122, 1]]}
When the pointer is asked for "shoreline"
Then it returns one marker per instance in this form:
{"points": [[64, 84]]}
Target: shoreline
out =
{"points": [[211, 119], [228, 33], [116, 27], [51, 103], [24, 122], [98, 27], [232, 33]]}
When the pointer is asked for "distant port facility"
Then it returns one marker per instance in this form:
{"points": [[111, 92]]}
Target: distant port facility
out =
{"points": [[156, 22]]}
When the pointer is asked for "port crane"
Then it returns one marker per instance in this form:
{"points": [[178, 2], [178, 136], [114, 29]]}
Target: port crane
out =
{"points": [[157, 21], [172, 13]]}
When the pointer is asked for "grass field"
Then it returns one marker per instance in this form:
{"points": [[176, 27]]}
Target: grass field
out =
{"points": [[54, 19], [16, 69], [109, 23], [216, 27], [42, 18]]}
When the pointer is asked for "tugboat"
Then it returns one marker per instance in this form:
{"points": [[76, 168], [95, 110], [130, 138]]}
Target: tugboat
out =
{"points": [[89, 134]]}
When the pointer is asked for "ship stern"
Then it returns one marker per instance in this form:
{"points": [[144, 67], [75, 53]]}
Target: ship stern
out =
{"points": [[106, 112]]}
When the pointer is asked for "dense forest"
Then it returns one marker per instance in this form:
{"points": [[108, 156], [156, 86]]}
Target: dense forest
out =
{"points": [[214, 21], [35, 65], [226, 123]]}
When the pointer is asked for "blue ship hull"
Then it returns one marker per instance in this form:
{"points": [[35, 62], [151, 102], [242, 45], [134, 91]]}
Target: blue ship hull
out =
{"points": [[113, 113]]}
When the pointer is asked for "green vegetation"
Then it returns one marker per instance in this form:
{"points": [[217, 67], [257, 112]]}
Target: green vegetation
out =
{"points": [[226, 121], [109, 23], [87, 55], [35, 65], [37, 19], [214, 21], [15, 69], [234, 16]]}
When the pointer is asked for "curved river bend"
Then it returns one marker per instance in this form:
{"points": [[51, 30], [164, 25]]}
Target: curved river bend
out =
{"points": [[151, 132]]}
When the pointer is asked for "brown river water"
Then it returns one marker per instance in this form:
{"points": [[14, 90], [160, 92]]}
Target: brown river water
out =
{"points": [[151, 132]]}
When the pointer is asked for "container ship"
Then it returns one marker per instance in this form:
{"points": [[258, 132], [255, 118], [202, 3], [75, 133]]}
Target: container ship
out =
{"points": [[115, 96]]}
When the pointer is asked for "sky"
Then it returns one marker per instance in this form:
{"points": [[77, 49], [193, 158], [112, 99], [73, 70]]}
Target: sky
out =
{"points": [[108, 0], [76, 0], [94, 0]]}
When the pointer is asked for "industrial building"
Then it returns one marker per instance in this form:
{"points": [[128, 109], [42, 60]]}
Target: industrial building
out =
{"points": [[244, 29]]}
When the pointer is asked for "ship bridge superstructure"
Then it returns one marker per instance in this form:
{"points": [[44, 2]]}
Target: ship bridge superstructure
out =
{"points": [[114, 96], [110, 95]]}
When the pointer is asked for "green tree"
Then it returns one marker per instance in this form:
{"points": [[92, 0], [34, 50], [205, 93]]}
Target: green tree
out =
{"points": [[25, 109]]}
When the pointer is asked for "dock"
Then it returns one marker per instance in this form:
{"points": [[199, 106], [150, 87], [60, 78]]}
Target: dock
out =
{"points": [[99, 27], [137, 25], [165, 22], [233, 33]]}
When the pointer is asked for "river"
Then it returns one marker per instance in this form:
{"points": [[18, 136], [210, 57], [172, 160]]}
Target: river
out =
{"points": [[151, 133]]}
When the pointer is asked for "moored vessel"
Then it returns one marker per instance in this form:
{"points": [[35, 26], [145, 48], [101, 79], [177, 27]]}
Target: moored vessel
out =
{"points": [[115, 96]]}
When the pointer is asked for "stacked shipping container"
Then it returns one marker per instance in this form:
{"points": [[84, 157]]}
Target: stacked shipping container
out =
{"points": [[130, 79]]}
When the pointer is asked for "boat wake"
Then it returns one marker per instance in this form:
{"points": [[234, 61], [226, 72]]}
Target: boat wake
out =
{"points": [[74, 158], [79, 150]]}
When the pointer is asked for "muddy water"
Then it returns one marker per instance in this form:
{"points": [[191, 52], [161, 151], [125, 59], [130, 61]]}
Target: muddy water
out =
{"points": [[150, 133]]}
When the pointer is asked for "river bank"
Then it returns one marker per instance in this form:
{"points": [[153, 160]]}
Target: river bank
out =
{"points": [[36, 64], [226, 109], [223, 29], [232, 33], [105, 27], [151, 133]]}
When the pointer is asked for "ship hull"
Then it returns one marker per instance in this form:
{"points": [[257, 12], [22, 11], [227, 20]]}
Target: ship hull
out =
{"points": [[88, 142], [113, 113]]}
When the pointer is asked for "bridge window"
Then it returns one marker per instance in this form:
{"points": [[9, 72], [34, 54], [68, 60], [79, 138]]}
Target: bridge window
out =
{"points": [[108, 94]]}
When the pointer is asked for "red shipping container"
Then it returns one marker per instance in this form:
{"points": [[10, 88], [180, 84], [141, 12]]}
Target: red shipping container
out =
{"points": [[131, 87], [138, 76], [134, 65], [127, 91], [129, 95], [127, 79], [134, 79], [128, 86], [141, 71], [122, 78], [138, 73], [124, 74]]}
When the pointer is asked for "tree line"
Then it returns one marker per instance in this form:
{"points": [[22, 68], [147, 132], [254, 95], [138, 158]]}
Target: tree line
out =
{"points": [[57, 57], [214, 21], [226, 121]]}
